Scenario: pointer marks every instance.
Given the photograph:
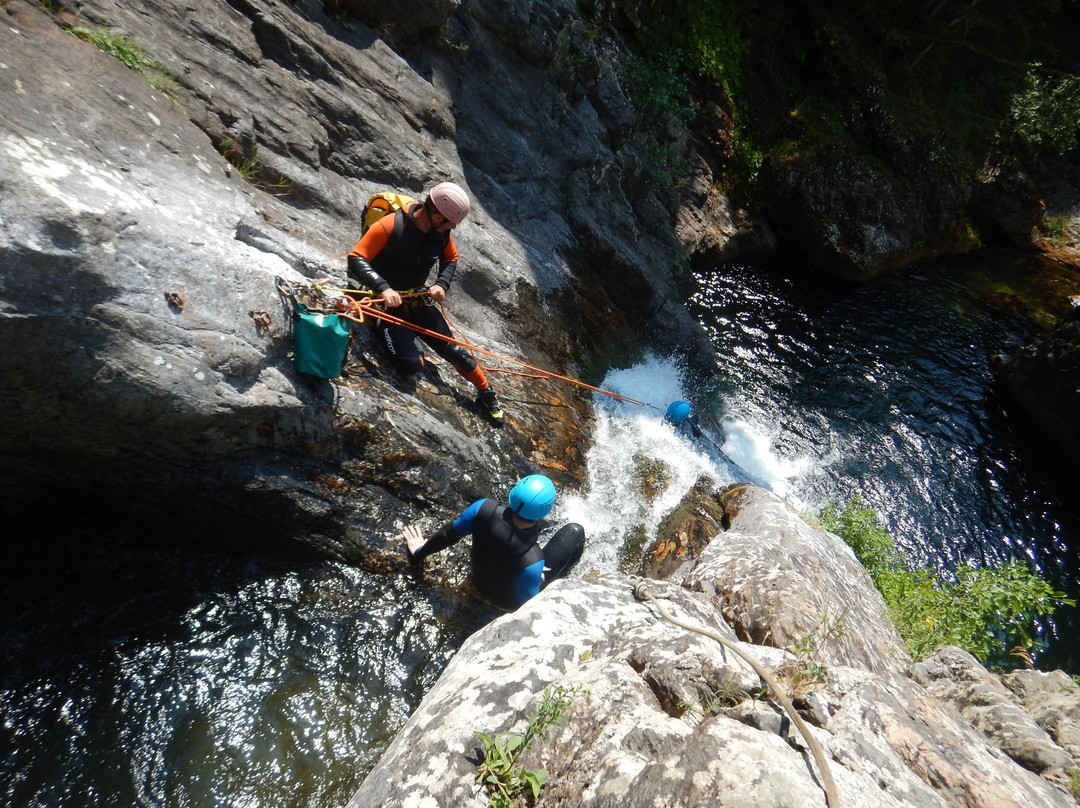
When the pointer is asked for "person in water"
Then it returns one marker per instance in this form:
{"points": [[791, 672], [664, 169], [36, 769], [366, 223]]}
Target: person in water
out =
{"points": [[680, 416], [508, 564], [394, 258]]}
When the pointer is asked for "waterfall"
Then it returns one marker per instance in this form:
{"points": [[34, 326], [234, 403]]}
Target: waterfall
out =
{"points": [[631, 440]]}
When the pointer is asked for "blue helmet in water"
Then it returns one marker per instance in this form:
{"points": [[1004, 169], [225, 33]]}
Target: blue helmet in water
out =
{"points": [[532, 497], [677, 412]]}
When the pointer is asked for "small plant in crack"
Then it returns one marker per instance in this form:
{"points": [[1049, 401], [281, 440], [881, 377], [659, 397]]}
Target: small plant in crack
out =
{"points": [[501, 770]]}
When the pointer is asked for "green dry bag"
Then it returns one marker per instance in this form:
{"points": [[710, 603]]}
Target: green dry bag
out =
{"points": [[320, 342]]}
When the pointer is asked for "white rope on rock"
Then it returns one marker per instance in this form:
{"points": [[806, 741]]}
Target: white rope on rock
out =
{"points": [[641, 592]]}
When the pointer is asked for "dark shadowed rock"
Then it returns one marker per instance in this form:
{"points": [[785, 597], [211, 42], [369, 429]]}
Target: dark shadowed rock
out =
{"points": [[1043, 381], [403, 20]]}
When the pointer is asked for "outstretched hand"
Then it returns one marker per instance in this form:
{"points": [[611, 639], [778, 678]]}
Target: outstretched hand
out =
{"points": [[414, 539]]}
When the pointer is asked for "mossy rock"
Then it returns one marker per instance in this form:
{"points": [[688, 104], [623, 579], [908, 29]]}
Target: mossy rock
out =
{"points": [[652, 475], [686, 531], [633, 545]]}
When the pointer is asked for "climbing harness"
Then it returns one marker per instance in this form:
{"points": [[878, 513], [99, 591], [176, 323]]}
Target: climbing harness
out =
{"points": [[641, 592]]}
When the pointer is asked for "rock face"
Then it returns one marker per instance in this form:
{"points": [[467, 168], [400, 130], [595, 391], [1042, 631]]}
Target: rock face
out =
{"points": [[1031, 205], [666, 716], [146, 346], [1043, 379], [685, 532], [146, 349], [778, 581], [860, 179], [146, 363]]}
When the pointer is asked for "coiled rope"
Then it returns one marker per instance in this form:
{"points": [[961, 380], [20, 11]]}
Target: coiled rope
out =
{"points": [[641, 592]]}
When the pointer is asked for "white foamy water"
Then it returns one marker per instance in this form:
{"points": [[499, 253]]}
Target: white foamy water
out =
{"points": [[750, 444], [630, 438]]}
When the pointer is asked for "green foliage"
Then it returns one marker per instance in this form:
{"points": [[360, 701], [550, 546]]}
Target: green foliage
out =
{"points": [[246, 163], [501, 770], [131, 54], [1056, 229], [808, 669], [715, 47], [657, 90], [666, 163], [704, 37], [749, 153], [1046, 112], [986, 611], [116, 45], [656, 87], [859, 527], [679, 40], [677, 44], [992, 71], [709, 702]]}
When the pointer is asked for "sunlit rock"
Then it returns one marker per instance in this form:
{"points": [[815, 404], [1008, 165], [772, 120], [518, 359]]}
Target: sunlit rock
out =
{"points": [[665, 713]]}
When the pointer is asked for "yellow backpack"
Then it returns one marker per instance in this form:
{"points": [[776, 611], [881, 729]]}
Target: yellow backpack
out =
{"points": [[381, 204]]}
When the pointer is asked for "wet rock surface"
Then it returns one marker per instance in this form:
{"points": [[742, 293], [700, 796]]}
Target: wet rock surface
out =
{"points": [[147, 364], [147, 347]]}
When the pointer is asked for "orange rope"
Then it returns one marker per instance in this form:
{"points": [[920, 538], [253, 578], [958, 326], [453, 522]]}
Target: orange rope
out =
{"points": [[453, 327], [354, 310]]}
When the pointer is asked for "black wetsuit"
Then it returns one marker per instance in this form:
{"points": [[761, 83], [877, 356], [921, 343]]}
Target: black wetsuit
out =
{"points": [[508, 565]]}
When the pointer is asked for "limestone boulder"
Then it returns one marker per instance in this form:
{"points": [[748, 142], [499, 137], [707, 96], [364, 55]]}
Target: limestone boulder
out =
{"points": [[662, 706], [780, 581]]}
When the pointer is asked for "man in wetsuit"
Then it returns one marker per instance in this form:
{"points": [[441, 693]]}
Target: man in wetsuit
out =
{"points": [[394, 257], [508, 565]]}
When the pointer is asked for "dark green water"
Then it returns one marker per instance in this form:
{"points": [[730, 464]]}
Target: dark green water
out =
{"points": [[144, 675], [884, 391]]}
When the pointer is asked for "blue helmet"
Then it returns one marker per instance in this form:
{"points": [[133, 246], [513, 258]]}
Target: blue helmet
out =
{"points": [[532, 497], [677, 412]]}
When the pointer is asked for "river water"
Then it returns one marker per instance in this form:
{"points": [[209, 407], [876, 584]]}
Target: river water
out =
{"points": [[137, 674]]}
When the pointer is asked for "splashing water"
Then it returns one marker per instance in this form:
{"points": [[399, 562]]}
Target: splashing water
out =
{"points": [[753, 449], [880, 391], [138, 671], [640, 466]]}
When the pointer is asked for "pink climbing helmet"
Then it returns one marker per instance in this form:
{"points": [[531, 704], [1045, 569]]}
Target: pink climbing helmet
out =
{"points": [[451, 201]]}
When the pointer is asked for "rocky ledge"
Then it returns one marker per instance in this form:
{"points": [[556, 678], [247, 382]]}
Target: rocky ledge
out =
{"points": [[664, 715]]}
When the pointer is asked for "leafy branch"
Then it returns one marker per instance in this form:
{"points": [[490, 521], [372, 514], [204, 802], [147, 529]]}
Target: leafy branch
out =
{"points": [[982, 610], [501, 771]]}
